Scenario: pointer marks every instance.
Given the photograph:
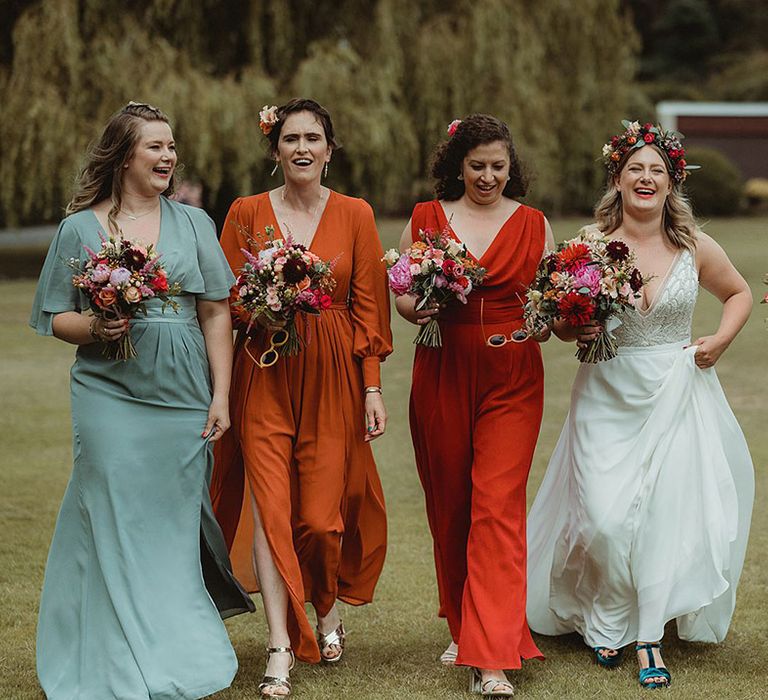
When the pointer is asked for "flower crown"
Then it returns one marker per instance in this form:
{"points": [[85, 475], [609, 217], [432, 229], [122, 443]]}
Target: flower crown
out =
{"points": [[636, 136], [268, 118]]}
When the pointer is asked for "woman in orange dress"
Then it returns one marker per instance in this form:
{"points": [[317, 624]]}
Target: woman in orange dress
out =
{"points": [[295, 487], [476, 402]]}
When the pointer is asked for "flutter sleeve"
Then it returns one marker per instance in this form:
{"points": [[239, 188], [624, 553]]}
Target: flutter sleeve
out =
{"points": [[214, 268], [233, 239], [55, 292], [369, 299]]}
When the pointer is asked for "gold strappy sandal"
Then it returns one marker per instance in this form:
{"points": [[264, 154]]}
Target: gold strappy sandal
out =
{"points": [[335, 638], [277, 681], [489, 688]]}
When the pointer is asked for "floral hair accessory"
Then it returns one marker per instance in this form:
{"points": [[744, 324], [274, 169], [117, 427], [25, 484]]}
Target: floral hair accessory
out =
{"points": [[453, 126], [636, 136], [268, 118]]}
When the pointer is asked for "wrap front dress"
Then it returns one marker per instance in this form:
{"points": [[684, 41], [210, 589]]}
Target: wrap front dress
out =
{"points": [[138, 565], [475, 415], [296, 448]]}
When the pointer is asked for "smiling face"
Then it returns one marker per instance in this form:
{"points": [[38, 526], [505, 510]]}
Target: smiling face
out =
{"points": [[149, 169], [485, 170], [302, 149], [644, 180]]}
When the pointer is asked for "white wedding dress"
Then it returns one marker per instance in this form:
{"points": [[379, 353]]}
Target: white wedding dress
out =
{"points": [[644, 511]]}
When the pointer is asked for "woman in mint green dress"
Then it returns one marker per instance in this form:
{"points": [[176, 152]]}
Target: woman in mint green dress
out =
{"points": [[138, 576]]}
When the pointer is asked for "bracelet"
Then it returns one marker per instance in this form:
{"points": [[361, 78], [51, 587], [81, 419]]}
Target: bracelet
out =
{"points": [[92, 329], [373, 390]]}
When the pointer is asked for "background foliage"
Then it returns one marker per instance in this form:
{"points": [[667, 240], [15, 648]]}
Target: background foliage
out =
{"points": [[393, 73]]}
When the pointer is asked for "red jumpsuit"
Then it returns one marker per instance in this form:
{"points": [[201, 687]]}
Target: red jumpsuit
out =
{"points": [[475, 414]]}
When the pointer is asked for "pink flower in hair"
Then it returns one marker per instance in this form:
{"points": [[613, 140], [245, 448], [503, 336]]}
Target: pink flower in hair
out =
{"points": [[453, 126]]}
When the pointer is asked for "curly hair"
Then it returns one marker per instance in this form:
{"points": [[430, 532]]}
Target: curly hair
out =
{"points": [[102, 175], [302, 104], [475, 130], [679, 222]]}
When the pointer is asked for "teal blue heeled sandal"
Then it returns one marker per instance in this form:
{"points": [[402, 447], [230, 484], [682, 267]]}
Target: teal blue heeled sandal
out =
{"points": [[608, 661], [653, 670]]}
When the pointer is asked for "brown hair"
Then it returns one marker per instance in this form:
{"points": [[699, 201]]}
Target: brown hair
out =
{"points": [[449, 155], [301, 104], [679, 222], [102, 175]]}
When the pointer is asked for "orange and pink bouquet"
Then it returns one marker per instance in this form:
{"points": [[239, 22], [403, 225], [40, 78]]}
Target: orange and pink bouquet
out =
{"points": [[588, 278], [282, 279], [118, 280], [436, 270]]}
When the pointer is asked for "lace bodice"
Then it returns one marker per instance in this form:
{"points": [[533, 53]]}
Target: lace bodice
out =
{"points": [[669, 317]]}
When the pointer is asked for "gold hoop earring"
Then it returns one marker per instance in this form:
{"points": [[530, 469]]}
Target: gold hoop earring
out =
{"points": [[460, 177]]}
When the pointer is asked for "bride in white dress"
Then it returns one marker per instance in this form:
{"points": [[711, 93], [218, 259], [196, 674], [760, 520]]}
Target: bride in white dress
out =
{"points": [[644, 511]]}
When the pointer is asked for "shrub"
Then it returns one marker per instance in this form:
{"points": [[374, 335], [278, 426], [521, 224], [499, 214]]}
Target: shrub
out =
{"points": [[716, 189]]}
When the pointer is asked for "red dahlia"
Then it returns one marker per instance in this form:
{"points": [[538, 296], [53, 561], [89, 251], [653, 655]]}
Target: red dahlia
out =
{"points": [[294, 270], [576, 309], [574, 255]]}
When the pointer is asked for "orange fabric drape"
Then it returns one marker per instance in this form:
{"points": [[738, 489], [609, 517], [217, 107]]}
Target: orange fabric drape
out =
{"points": [[296, 442], [475, 414]]}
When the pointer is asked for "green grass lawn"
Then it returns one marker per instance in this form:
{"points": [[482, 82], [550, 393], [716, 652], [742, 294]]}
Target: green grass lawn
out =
{"points": [[394, 643]]}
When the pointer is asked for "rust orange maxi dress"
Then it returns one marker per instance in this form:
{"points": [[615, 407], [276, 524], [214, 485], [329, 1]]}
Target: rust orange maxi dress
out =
{"points": [[475, 414], [296, 443]]}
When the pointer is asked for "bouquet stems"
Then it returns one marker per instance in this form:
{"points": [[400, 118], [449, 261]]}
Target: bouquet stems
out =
{"points": [[121, 349], [429, 335], [293, 344], [603, 347]]}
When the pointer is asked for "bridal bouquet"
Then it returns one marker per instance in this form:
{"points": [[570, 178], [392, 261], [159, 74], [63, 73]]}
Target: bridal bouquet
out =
{"points": [[281, 280], [588, 278], [118, 280], [436, 270]]}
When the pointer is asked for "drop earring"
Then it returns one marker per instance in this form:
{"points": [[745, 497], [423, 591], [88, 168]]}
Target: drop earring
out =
{"points": [[274, 170], [325, 170], [459, 177]]}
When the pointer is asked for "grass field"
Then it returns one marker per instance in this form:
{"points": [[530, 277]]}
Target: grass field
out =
{"points": [[394, 643]]}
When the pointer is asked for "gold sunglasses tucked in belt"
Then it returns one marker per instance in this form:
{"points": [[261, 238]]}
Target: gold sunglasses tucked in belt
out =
{"points": [[271, 354]]}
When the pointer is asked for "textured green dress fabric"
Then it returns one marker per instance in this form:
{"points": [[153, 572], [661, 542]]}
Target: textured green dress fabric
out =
{"points": [[138, 567]]}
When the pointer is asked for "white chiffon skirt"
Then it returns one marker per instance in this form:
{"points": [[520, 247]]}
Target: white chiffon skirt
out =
{"points": [[643, 514]]}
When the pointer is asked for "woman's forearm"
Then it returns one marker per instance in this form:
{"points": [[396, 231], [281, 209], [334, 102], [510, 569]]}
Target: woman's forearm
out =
{"points": [[216, 325], [73, 327], [736, 311]]}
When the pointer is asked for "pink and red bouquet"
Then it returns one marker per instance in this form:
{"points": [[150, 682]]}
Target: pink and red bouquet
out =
{"points": [[436, 270], [588, 278], [118, 280], [282, 279]]}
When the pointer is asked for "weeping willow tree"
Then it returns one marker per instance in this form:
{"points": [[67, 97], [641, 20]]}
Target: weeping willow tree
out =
{"points": [[392, 72]]}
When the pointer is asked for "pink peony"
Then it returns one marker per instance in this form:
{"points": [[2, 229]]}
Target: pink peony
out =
{"points": [[588, 276], [119, 276], [100, 273], [400, 276]]}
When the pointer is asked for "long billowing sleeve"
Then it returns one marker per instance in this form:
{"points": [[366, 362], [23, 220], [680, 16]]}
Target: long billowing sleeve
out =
{"points": [[369, 299]]}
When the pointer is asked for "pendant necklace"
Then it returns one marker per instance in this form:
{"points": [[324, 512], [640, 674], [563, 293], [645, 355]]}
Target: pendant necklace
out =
{"points": [[136, 217]]}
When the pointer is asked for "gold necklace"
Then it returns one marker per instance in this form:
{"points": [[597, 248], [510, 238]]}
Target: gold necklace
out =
{"points": [[136, 217]]}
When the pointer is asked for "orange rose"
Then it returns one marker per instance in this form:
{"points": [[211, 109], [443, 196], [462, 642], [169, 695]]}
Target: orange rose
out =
{"points": [[107, 296]]}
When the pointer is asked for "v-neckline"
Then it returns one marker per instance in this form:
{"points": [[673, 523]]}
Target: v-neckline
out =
{"points": [[495, 238], [647, 311], [134, 240], [318, 225]]}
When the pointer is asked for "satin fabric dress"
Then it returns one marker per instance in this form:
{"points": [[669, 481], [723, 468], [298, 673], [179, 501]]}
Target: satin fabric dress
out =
{"points": [[644, 511], [296, 445], [475, 414], [125, 612]]}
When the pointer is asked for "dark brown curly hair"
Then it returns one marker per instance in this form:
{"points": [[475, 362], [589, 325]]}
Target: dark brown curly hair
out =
{"points": [[475, 130], [301, 104]]}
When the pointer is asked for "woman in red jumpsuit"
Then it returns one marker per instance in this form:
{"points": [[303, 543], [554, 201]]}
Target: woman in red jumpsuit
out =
{"points": [[476, 402]]}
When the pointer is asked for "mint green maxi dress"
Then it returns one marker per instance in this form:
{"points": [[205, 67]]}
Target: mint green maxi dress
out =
{"points": [[138, 576]]}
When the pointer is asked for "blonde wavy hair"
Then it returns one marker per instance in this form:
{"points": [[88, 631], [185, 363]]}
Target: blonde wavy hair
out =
{"points": [[680, 225], [102, 175]]}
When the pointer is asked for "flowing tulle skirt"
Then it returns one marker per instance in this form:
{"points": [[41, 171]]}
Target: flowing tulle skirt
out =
{"points": [[644, 511]]}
